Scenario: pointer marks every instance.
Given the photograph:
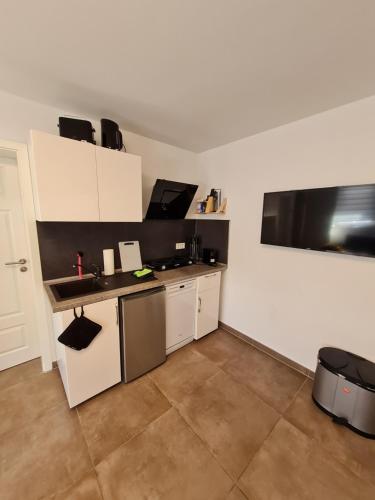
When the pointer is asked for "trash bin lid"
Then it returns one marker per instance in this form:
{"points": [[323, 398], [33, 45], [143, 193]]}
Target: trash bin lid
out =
{"points": [[358, 370], [334, 359], [366, 370]]}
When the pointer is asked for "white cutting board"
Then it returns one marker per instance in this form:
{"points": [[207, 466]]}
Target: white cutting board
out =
{"points": [[130, 256]]}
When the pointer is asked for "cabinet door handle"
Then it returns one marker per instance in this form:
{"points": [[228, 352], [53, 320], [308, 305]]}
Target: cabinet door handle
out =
{"points": [[117, 319], [18, 263], [199, 304]]}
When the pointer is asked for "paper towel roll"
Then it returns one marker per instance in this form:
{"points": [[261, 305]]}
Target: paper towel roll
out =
{"points": [[109, 261]]}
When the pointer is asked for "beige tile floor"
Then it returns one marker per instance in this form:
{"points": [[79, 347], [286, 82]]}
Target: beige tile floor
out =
{"points": [[219, 420]]}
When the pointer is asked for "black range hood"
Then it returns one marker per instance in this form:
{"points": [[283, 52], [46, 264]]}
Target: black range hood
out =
{"points": [[170, 199]]}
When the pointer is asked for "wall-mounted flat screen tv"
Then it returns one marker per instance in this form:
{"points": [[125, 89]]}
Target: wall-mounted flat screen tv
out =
{"points": [[336, 219]]}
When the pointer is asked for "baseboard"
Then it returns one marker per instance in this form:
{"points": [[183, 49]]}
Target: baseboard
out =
{"points": [[267, 350]]}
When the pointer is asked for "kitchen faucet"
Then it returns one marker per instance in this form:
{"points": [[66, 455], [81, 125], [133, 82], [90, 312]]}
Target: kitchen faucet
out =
{"points": [[97, 273]]}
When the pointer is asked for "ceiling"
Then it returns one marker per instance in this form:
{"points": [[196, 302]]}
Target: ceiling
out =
{"points": [[196, 73]]}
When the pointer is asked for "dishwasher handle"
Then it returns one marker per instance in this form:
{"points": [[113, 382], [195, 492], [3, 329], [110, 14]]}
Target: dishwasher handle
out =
{"points": [[183, 286]]}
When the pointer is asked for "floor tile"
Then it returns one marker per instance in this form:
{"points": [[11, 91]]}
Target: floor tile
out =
{"points": [[184, 371], [292, 466], [356, 452], [45, 456], [85, 489], [236, 494], [220, 347], [165, 461], [144, 449], [27, 400], [19, 373], [113, 417], [232, 420], [274, 382]]}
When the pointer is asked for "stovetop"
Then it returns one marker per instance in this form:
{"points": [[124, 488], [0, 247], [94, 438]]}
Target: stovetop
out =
{"points": [[169, 263]]}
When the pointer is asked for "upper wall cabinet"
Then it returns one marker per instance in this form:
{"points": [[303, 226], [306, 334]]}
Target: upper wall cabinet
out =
{"points": [[64, 178], [78, 181], [119, 185]]}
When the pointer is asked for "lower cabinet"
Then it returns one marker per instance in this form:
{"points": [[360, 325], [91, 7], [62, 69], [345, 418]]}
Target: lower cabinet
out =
{"points": [[208, 295], [180, 314], [87, 372], [192, 311]]}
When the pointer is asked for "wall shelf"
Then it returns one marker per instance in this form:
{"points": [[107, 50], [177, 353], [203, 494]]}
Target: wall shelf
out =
{"points": [[208, 216]]}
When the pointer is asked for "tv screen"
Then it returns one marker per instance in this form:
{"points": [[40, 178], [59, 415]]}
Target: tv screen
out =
{"points": [[336, 219], [170, 199]]}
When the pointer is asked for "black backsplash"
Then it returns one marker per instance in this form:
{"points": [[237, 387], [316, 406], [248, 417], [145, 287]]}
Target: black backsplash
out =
{"points": [[214, 234], [60, 241]]}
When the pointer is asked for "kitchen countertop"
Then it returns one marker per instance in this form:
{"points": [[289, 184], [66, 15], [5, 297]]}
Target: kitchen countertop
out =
{"points": [[162, 278]]}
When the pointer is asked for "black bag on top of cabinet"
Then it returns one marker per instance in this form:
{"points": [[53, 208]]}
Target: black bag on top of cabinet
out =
{"points": [[80, 333], [73, 128], [111, 135]]}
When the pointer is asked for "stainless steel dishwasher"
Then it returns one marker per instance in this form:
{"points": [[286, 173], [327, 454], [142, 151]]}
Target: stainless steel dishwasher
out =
{"points": [[142, 332]]}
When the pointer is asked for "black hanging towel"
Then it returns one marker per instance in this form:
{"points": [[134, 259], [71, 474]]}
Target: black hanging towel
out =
{"points": [[80, 333]]}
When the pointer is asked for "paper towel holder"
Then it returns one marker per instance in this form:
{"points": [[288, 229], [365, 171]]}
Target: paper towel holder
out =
{"points": [[108, 261]]}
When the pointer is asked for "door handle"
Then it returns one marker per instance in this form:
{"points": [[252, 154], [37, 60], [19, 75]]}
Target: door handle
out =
{"points": [[20, 262], [117, 318], [200, 304]]}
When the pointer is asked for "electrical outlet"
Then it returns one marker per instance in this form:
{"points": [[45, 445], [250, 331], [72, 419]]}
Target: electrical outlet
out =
{"points": [[180, 246]]}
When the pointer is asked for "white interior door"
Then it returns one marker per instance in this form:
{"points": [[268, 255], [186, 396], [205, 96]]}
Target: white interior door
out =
{"points": [[18, 333]]}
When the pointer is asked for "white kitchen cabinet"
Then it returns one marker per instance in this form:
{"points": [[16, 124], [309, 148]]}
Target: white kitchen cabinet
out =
{"points": [[119, 185], [180, 314], [78, 181], [64, 178], [90, 371], [208, 295]]}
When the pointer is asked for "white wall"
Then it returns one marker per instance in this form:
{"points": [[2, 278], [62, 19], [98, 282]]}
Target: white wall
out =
{"points": [[296, 301], [292, 300], [161, 160], [18, 116]]}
